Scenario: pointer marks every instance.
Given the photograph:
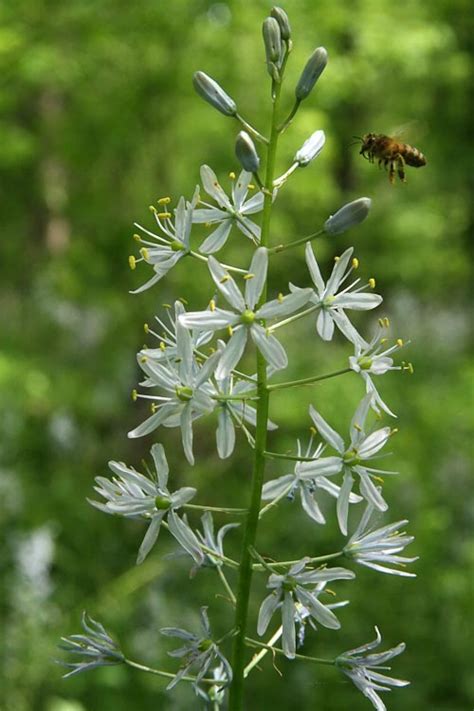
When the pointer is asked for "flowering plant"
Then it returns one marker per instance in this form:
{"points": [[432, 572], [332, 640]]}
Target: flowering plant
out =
{"points": [[196, 372]]}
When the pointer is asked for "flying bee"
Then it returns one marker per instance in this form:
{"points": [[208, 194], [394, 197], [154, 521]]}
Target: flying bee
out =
{"points": [[393, 154]]}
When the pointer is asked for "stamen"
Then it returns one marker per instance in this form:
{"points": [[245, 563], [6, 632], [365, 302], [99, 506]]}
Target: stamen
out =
{"points": [[164, 215], [153, 408], [137, 238], [313, 431], [280, 297], [372, 283], [162, 346], [144, 253], [400, 342], [132, 262], [146, 328], [379, 479], [164, 201], [183, 300], [143, 359], [225, 278], [249, 276], [230, 330], [336, 259], [355, 263], [357, 427], [232, 175], [134, 395], [251, 186], [166, 306], [212, 305], [152, 209]]}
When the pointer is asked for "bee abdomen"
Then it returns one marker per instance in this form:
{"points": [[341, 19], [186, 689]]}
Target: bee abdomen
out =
{"points": [[413, 157]]}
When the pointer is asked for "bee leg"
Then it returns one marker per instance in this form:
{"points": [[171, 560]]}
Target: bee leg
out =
{"points": [[391, 174], [401, 168]]}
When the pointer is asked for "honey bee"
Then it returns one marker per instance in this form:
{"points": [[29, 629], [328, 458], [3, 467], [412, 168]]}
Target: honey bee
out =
{"points": [[393, 154]]}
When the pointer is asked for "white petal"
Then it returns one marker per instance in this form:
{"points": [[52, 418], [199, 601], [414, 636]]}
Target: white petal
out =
{"points": [[267, 608], [325, 324], [161, 464], [217, 238], [157, 419], [187, 433], [185, 537], [320, 612], [209, 215], [253, 286], [150, 538], [343, 501], [374, 443], [225, 434], [338, 271], [212, 187], [226, 285], [255, 204], [326, 431], [240, 189], [357, 302], [310, 506], [288, 638], [269, 347], [212, 320], [232, 352], [276, 487], [314, 268], [370, 492]]}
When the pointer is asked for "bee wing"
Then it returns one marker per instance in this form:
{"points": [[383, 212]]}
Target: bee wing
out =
{"points": [[409, 132]]}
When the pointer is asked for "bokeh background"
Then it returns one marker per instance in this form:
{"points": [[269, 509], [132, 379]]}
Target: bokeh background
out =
{"points": [[98, 120]]}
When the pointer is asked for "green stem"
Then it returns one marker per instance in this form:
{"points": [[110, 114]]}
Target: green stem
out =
{"points": [[250, 533], [217, 509], [167, 675], [316, 660], [289, 563], [307, 381], [296, 243]]}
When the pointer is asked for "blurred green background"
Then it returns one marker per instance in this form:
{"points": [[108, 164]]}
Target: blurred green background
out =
{"points": [[98, 120]]}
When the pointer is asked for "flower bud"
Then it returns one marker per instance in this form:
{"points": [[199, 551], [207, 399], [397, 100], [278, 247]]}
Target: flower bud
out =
{"points": [[310, 74], [282, 18], [272, 39], [246, 152], [310, 148], [348, 216], [214, 94]]}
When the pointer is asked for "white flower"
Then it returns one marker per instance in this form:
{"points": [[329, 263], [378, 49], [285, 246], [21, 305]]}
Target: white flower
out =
{"points": [[374, 359], [168, 339], [331, 302], [306, 478], [244, 319], [134, 495], [378, 548], [362, 670], [301, 587], [230, 212], [171, 244], [187, 387], [213, 542], [311, 148], [363, 448]]}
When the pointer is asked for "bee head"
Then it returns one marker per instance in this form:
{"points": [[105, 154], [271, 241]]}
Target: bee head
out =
{"points": [[368, 140]]}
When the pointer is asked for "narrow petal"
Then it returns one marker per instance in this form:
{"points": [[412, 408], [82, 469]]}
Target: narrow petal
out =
{"points": [[338, 271], [226, 285], [326, 431], [343, 501], [254, 285], [225, 434], [187, 433], [267, 608], [161, 464], [358, 301], [232, 353], [209, 320], [288, 623], [217, 239], [325, 324], [314, 268], [240, 189], [276, 487], [150, 537], [185, 537], [310, 505], [212, 187], [320, 612], [155, 420], [370, 492], [269, 347], [374, 443]]}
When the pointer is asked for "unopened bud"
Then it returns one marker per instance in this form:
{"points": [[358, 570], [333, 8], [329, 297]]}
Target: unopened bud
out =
{"points": [[310, 148], [246, 152], [272, 39], [282, 18], [348, 216], [214, 94], [310, 74]]}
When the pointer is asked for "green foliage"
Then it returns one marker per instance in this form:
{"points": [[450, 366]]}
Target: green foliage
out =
{"points": [[99, 120]]}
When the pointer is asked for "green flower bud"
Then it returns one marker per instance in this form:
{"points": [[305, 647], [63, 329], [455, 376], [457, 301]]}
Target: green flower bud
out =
{"points": [[272, 39], [246, 152], [310, 74], [310, 148], [282, 18], [214, 94], [348, 216]]}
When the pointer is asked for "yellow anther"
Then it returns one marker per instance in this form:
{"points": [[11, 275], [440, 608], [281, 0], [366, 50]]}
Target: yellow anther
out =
{"points": [[331, 592], [251, 186], [355, 263], [380, 322], [153, 209], [336, 259], [164, 201], [208, 224], [162, 346], [313, 431], [211, 350], [153, 408], [134, 395], [132, 262], [212, 305], [183, 300], [146, 328], [249, 276], [225, 278], [166, 306], [280, 297], [372, 283], [144, 253], [386, 322], [137, 238], [357, 427], [232, 175], [383, 340], [230, 330], [164, 215], [378, 478], [143, 359], [394, 431], [399, 342], [409, 367]]}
